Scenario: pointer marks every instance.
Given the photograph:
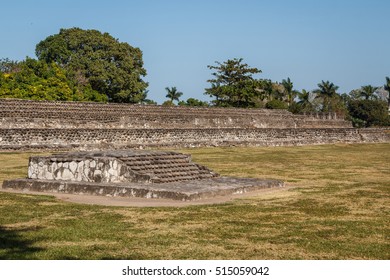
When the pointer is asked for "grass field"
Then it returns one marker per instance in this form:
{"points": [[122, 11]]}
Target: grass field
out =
{"points": [[338, 208]]}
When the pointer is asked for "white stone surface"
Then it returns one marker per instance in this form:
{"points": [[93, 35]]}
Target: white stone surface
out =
{"points": [[115, 164], [80, 164], [49, 176], [67, 175], [30, 171], [109, 170], [86, 172], [97, 173], [73, 166]]}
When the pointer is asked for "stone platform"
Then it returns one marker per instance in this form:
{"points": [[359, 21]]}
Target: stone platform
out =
{"points": [[183, 191], [131, 173]]}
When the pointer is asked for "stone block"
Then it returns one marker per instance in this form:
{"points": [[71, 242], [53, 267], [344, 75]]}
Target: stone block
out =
{"points": [[72, 166], [67, 175]]}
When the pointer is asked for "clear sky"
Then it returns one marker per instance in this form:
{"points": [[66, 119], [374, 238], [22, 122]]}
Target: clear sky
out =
{"points": [[344, 41]]}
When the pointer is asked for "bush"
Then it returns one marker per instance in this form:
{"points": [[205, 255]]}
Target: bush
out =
{"points": [[193, 102], [365, 113], [168, 103], [276, 104]]}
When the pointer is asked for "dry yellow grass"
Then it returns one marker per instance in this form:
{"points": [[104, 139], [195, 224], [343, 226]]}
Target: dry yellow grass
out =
{"points": [[338, 207]]}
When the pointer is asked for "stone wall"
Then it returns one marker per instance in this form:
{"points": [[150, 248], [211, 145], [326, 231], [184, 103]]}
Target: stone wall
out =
{"points": [[147, 121], [16, 113], [108, 170], [13, 139], [75, 125]]}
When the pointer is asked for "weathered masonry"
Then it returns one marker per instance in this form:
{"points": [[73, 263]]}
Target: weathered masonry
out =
{"points": [[118, 166], [16, 113], [77, 125], [131, 173]]}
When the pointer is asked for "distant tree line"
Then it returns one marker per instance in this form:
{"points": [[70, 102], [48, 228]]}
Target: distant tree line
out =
{"points": [[233, 85], [87, 65]]}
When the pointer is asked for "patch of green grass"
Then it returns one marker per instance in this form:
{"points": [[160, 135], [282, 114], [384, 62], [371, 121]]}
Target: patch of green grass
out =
{"points": [[338, 208]]}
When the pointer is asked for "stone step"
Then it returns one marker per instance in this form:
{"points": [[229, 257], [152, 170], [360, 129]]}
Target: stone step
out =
{"points": [[164, 169], [139, 160]]}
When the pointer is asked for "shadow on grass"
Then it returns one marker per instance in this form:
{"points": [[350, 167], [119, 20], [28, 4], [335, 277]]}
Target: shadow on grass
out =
{"points": [[13, 246]]}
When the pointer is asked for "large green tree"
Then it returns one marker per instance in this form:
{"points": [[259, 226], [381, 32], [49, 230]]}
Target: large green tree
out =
{"points": [[233, 84], [109, 66], [368, 112]]}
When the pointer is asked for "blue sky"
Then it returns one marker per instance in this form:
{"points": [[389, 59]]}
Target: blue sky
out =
{"points": [[345, 42]]}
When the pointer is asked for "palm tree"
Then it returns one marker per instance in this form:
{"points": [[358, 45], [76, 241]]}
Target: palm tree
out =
{"points": [[173, 94], [387, 85], [327, 91], [304, 101], [288, 87], [387, 88], [368, 92]]}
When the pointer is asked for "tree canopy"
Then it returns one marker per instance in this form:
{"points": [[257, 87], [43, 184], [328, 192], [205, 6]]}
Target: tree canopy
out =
{"points": [[91, 57], [386, 87], [38, 80], [368, 92], [193, 102], [173, 94], [368, 112], [328, 92], [87, 65], [289, 91], [233, 84]]}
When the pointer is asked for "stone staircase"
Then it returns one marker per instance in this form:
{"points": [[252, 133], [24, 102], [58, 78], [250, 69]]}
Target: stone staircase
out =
{"points": [[166, 167]]}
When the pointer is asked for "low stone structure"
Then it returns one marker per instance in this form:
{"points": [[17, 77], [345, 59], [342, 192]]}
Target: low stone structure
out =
{"points": [[103, 139], [26, 124], [147, 174], [118, 166], [111, 128], [16, 113]]}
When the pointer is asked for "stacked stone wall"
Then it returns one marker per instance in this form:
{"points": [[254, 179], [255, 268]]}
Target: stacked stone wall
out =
{"points": [[109, 170], [13, 139], [75, 125], [16, 113]]}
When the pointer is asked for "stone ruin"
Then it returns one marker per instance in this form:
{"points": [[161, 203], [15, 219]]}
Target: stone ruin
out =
{"points": [[131, 173], [120, 128], [49, 125], [118, 166]]}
